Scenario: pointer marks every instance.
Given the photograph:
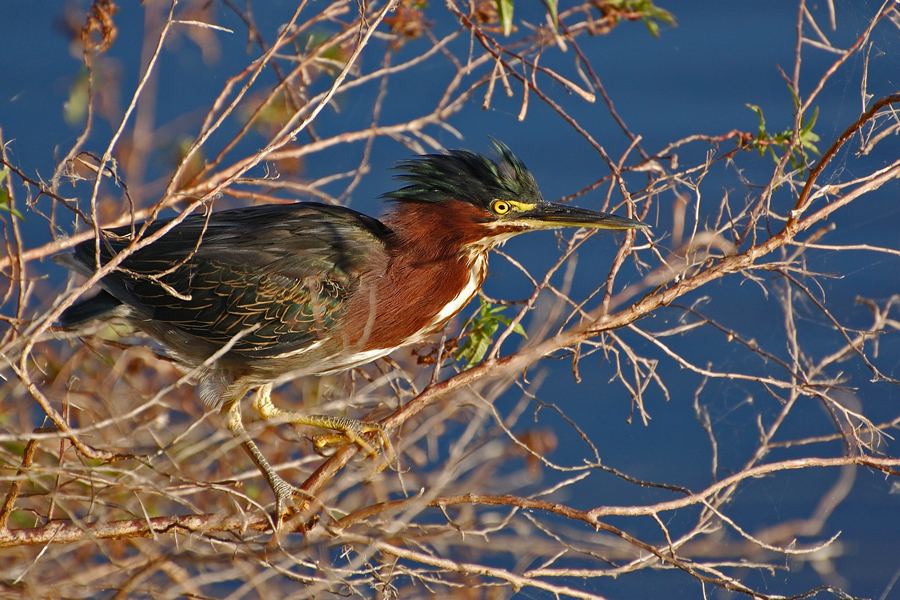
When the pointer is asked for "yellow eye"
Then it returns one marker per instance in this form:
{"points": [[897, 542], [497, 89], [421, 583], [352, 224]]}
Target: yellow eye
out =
{"points": [[501, 207]]}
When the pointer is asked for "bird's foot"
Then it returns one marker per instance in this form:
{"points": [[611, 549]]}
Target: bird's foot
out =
{"points": [[367, 435], [285, 504]]}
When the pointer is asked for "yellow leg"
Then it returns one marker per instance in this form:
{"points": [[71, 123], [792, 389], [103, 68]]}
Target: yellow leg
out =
{"points": [[350, 429], [284, 492]]}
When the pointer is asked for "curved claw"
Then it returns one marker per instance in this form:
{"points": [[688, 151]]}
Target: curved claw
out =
{"points": [[285, 505], [357, 432]]}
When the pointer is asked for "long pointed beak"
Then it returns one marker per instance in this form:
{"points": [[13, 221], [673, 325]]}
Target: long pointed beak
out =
{"points": [[552, 216]]}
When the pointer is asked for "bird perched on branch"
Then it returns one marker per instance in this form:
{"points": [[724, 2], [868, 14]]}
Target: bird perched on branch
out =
{"points": [[254, 296]]}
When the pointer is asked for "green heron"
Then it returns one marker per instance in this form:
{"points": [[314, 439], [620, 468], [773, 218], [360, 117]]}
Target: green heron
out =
{"points": [[254, 296]]}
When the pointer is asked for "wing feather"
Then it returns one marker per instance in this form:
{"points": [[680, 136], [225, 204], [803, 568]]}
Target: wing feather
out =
{"points": [[278, 275]]}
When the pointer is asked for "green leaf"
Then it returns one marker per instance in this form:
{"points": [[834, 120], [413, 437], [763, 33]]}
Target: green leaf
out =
{"points": [[75, 109], [794, 96], [505, 12], [5, 205], [807, 137], [812, 121], [553, 7], [762, 120]]}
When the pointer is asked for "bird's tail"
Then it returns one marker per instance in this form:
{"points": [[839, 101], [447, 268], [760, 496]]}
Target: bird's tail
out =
{"points": [[102, 306]]}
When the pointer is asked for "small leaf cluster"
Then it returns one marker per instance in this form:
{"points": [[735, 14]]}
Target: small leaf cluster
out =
{"points": [[481, 328], [633, 10], [765, 141]]}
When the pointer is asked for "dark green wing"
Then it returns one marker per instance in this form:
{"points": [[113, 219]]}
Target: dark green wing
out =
{"points": [[278, 276]]}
